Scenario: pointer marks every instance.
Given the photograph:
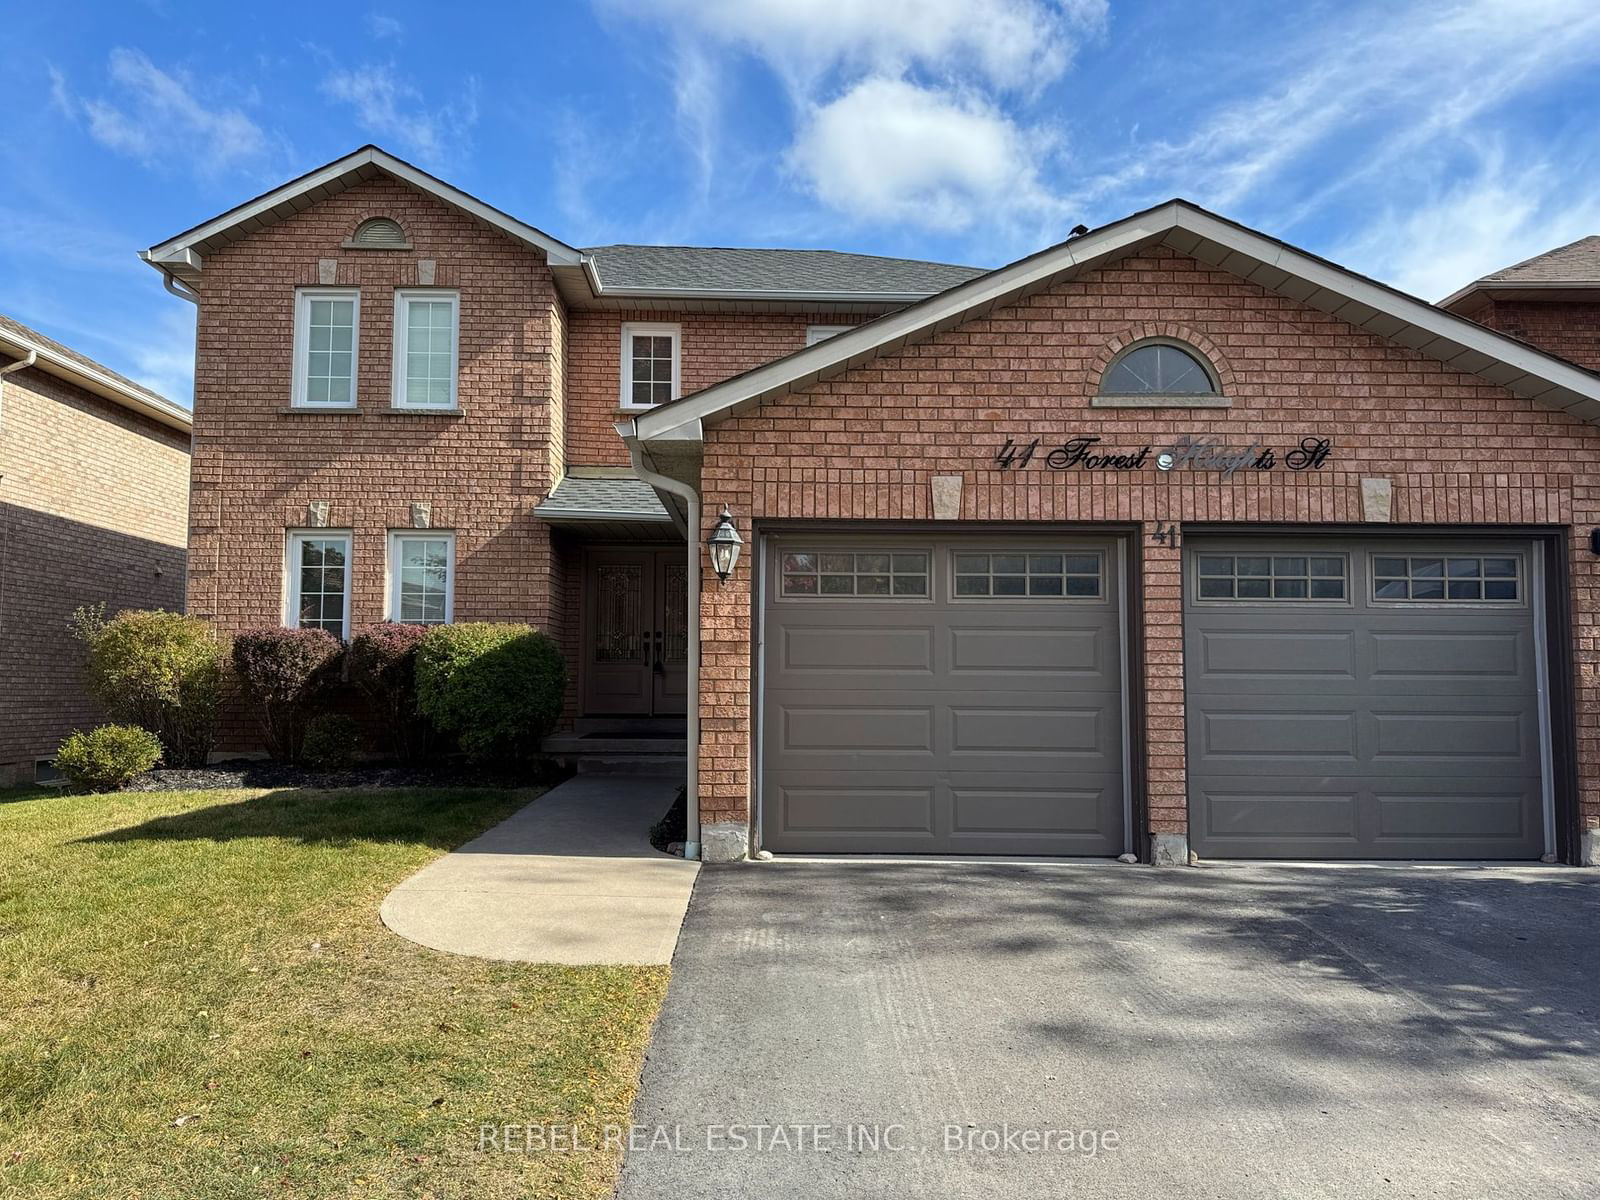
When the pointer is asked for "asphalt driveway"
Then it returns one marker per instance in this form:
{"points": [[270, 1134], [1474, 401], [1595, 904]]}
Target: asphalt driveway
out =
{"points": [[888, 1030]]}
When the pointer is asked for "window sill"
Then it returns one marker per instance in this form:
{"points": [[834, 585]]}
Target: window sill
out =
{"points": [[640, 408], [1160, 402], [300, 410], [395, 411]]}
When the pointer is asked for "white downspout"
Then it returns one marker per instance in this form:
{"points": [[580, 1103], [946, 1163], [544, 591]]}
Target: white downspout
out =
{"points": [[21, 364], [691, 500]]}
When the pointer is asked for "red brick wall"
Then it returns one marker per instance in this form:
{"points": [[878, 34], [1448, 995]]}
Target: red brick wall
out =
{"points": [[1567, 328], [257, 465], [1456, 449], [714, 346], [93, 508]]}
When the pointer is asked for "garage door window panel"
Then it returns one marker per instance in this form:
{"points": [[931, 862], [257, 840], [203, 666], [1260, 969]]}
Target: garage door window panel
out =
{"points": [[1445, 579], [1007, 575], [852, 574], [1270, 577]]}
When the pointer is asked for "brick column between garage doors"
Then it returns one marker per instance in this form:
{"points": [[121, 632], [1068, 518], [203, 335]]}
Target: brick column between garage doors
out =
{"points": [[1161, 579]]}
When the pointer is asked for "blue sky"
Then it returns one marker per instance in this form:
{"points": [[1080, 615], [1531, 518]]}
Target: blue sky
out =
{"points": [[1422, 143]]}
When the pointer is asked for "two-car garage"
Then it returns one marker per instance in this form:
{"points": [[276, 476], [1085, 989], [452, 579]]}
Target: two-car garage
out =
{"points": [[969, 693]]}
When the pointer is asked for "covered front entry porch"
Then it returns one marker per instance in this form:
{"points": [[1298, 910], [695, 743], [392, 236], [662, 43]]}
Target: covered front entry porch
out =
{"points": [[626, 629]]}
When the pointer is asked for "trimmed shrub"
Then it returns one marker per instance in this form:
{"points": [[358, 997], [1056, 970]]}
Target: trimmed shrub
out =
{"points": [[281, 672], [498, 688], [160, 670], [383, 664], [330, 742], [106, 758]]}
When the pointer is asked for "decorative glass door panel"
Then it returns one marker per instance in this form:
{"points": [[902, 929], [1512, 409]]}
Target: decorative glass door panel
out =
{"points": [[619, 606], [636, 642]]}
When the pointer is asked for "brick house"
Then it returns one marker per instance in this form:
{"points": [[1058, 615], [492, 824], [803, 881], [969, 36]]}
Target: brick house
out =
{"points": [[1171, 539], [94, 484]]}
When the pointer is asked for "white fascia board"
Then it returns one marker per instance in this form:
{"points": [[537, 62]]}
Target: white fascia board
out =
{"points": [[1460, 331], [558, 253], [158, 408], [1176, 223]]}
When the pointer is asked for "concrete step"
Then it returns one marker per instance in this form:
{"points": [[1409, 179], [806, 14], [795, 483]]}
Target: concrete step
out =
{"points": [[616, 743], [632, 764], [633, 725]]}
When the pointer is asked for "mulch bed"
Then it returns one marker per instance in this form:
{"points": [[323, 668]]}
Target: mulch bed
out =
{"points": [[263, 773]]}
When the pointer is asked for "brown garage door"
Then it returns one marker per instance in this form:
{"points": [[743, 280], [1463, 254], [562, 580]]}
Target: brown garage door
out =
{"points": [[1363, 699], [942, 694]]}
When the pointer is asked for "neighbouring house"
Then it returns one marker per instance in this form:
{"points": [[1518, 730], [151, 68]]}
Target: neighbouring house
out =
{"points": [[94, 509], [1169, 540]]}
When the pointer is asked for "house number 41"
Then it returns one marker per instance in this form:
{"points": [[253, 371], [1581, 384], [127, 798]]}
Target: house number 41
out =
{"points": [[1166, 534]]}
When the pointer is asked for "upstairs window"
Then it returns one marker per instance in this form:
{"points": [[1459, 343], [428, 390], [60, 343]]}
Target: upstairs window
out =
{"points": [[1159, 369], [326, 325], [319, 582], [425, 334], [649, 364]]}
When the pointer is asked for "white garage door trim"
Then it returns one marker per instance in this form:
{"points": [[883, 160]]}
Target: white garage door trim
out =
{"points": [[1117, 563]]}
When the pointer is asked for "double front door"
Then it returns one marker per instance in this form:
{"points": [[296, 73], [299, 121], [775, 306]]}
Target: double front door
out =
{"points": [[637, 639]]}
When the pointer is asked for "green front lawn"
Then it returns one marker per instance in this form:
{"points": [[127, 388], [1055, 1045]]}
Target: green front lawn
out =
{"points": [[197, 999]]}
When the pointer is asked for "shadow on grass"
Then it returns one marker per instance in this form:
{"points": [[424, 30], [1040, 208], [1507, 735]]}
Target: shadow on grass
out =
{"points": [[442, 818]]}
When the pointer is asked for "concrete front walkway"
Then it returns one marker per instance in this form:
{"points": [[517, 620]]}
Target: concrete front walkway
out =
{"points": [[571, 878]]}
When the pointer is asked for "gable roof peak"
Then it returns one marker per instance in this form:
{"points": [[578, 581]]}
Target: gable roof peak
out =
{"points": [[183, 255], [1182, 226]]}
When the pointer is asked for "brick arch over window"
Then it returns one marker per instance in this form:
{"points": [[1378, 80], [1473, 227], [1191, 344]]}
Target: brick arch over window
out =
{"points": [[1163, 331]]}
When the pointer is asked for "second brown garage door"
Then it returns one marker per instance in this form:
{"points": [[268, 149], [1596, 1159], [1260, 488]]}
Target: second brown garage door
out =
{"points": [[952, 694], [1367, 699]]}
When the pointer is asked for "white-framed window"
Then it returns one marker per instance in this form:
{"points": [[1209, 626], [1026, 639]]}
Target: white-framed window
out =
{"points": [[650, 359], [422, 576], [1291, 576], [1026, 574], [821, 333], [317, 566], [327, 330], [839, 574], [426, 332]]}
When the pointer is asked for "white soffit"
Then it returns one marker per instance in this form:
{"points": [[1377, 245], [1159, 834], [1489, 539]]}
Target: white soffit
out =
{"points": [[1457, 341], [184, 255]]}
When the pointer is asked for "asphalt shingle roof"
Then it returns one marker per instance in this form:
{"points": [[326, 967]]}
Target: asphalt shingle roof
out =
{"points": [[624, 499], [19, 330], [1576, 262], [711, 268]]}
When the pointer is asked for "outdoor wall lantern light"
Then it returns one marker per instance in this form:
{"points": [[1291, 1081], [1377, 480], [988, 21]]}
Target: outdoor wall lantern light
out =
{"points": [[724, 544]]}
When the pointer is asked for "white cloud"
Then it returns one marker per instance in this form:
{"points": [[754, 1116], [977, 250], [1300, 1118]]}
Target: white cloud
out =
{"points": [[896, 101], [890, 151], [1004, 43], [154, 110], [389, 108], [1399, 79], [380, 27], [1497, 216], [163, 361]]}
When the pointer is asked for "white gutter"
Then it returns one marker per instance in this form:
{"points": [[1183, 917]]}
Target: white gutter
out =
{"points": [[691, 500], [98, 381]]}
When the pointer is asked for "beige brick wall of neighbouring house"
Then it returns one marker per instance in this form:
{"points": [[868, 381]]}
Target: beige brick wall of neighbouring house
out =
{"points": [[94, 506]]}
